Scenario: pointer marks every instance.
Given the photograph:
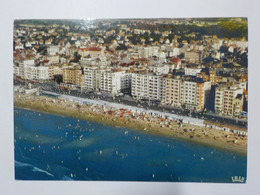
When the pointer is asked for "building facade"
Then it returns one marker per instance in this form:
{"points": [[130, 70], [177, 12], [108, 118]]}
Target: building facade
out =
{"points": [[106, 80], [229, 100], [147, 86], [189, 94], [73, 75]]}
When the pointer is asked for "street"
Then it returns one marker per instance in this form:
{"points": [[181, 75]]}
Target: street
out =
{"points": [[128, 100]]}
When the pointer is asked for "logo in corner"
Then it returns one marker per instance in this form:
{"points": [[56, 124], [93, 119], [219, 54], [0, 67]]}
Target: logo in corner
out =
{"points": [[238, 179]]}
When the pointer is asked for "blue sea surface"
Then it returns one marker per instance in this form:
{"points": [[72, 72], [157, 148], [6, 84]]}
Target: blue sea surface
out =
{"points": [[51, 147]]}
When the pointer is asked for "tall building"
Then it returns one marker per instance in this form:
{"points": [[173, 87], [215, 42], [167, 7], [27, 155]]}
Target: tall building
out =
{"points": [[214, 78], [140, 86], [195, 95], [189, 94], [73, 75], [110, 81], [42, 73], [54, 70], [172, 92], [147, 86], [106, 80], [90, 78], [229, 100], [29, 70]]}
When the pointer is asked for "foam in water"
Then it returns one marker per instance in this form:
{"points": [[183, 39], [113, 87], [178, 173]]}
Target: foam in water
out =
{"points": [[34, 169]]}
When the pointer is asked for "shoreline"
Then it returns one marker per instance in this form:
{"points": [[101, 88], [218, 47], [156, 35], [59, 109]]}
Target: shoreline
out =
{"points": [[158, 126]]}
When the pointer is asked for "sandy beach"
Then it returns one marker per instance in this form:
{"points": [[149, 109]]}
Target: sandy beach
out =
{"points": [[137, 121]]}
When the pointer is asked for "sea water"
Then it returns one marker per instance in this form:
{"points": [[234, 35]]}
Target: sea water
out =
{"points": [[51, 147]]}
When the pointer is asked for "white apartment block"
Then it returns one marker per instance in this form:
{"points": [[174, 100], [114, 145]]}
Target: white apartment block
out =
{"points": [[42, 73], [146, 52], [147, 86], [192, 71], [175, 52], [110, 82], [106, 80], [53, 50], [30, 72], [159, 69], [36, 73], [90, 78], [194, 95], [20, 69], [242, 44], [140, 86]]}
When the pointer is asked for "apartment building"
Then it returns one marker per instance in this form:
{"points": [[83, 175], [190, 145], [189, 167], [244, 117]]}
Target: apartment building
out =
{"points": [[147, 86], [192, 71], [193, 56], [214, 78], [42, 73], [190, 94], [110, 81], [73, 75], [159, 69], [194, 95], [54, 70], [229, 100], [27, 69], [140, 86], [172, 92], [53, 50], [106, 80], [90, 78], [146, 52], [30, 72], [91, 51], [36, 73]]}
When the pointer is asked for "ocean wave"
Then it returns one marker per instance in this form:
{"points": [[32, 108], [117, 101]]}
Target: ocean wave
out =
{"points": [[20, 164], [34, 169]]}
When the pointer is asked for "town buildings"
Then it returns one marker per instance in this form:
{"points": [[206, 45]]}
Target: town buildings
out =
{"points": [[174, 68]]}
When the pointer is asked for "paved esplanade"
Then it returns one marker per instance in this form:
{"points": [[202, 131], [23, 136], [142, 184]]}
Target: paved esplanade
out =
{"points": [[185, 119]]}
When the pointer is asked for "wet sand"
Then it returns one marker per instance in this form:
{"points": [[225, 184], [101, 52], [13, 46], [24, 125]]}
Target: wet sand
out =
{"points": [[123, 118]]}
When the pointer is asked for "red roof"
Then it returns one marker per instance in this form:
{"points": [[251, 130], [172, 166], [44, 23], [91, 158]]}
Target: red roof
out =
{"points": [[244, 77], [94, 49], [91, 49], [46, 61], [176, 59]]}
